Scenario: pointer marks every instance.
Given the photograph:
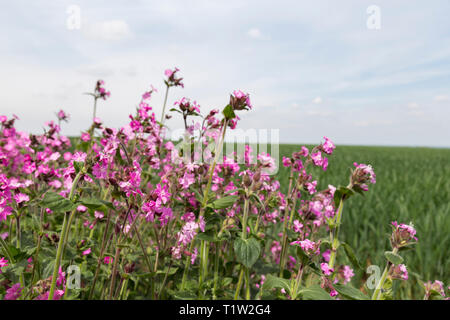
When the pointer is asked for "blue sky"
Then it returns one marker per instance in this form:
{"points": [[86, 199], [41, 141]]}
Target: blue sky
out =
{"points": [[311, 68]]}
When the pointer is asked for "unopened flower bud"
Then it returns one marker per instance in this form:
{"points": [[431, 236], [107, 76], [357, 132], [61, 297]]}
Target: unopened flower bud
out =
{"points": [[402, 235], [247, 181]]}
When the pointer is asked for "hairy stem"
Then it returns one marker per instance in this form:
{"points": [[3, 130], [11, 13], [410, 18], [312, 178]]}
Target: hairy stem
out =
{"points": [[335, 233], [164, 106], [102, 250], [62, 236], [377, 293]]}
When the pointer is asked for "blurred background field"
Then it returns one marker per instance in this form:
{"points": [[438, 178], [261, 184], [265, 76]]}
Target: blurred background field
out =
{"points": [[413, 185]]}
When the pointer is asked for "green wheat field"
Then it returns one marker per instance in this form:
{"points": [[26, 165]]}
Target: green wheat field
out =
{"points": [[413, 185]]}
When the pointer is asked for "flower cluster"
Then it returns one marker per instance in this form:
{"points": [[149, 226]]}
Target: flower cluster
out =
{"points": [[402, 235], [100, 91], [361, 175], [172, 79]]}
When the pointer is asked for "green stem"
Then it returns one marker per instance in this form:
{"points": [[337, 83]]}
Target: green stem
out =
{"points": [[66, 238], [243, 268], [377, 292], [105, 236], [18, 245], [95, 111], [284, 247], [247, 284], [62, 237], [335, 233], [164, 106], [6, 250], [245, 218], [165, 279], [298, 279], [216, 271], [147, 260], [285, 219], [239, 284], [58, 256], [18, 233], [123, 289], [204, 250], [114, 273]]}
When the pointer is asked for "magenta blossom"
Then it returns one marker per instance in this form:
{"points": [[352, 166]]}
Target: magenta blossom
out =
{"points": [[14, 292], [20, 197], [326, 269], [81, 208], [3, 263], [328, 146]]}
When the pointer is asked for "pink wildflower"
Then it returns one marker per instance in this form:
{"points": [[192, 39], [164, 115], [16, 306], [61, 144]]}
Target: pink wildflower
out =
{"points": [[326, 269]]}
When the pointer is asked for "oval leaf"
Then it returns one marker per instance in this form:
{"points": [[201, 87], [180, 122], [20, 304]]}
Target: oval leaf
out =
{"points": [[393, 257], [351, 255], [224, 202], [314, 293], [247, 251], [350, 292], [275, 282], [57, 203]]}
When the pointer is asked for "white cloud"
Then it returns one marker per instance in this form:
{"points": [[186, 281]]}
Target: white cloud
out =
{"points": [[112, 30], [317, 100], [255, 33], [416, 113], [413, 105], [441, 98], [319, 113], [362, 123]]}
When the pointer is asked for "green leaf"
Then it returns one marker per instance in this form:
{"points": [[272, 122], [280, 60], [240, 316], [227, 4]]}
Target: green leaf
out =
{"points": [[238, 190], [228, 112], [184, 295], [358, 189], [314, 292], [57, 203], [386, 290], [224, 202], [351, 255], [261, 268], [247, 251], [435, 295], [226, 281], [175, 110], [350, 292], [342, 192], [206, 236], [393, 257], [78, 165], [275, 282], [97, 204], [171, 271], [302, 255], [263, 206]]}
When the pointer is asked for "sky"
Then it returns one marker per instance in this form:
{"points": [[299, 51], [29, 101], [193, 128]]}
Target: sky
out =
{"points": [[312, 68]]}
